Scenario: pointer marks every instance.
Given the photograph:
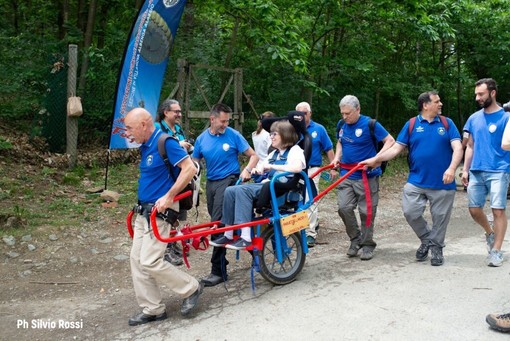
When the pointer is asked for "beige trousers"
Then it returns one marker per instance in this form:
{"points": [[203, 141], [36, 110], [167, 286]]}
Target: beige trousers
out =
{"points": [[313, 211], [149, 269]]}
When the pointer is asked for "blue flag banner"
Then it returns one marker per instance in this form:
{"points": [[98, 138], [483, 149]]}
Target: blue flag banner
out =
{"points": [[144, 64]]}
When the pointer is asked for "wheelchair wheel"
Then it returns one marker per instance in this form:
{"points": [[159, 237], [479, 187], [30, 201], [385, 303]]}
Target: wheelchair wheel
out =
{"points": [[293, 258]]}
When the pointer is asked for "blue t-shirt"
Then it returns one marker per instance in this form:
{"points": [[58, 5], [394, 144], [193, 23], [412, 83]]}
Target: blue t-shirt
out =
{"points": [[430, 151], [220, 152], [486, 130], [320, 143], [357, 144], [155, 180]]}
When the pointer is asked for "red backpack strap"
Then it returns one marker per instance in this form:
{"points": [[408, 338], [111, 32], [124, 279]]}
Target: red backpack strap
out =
{"points": [[444, 121], [410, 128]]}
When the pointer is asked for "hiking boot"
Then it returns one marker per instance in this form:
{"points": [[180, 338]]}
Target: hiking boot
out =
{"points": [[495, 258], [366, 254], [310, 241], [437, 256], [423, 252], [490, 241], [173, 254], [353, 249], [189, 303], [239, 244], [142, 318], [499, 322]]}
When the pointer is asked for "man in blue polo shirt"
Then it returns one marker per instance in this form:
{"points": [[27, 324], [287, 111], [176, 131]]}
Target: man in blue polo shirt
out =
{"points": [[435, 151], [156, 189], [355, 143], [321, 143], [220, 146]]}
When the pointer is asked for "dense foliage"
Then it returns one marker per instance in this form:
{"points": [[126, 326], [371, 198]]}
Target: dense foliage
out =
{"points": [[385, 52]]}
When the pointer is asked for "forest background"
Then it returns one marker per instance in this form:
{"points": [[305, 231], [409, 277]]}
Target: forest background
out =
{"points": [[384, 52]]}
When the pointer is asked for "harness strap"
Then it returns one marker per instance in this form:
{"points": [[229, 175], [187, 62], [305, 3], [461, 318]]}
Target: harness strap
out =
{"points": [[366, 186]]}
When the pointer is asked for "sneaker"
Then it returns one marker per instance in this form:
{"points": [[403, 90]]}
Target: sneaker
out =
{"points": [[499, 322], [490, 241], [437, 256], [423, 252], [222, 241], [189, 303], [239, 244], [366, 254], [495, 258], [353, 249], [310, 241]]}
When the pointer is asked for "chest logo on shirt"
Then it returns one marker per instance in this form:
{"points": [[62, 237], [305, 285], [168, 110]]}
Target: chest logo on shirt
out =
{"points": [[492, 128], [314, 134], [149, 160], [358, 132], [420, 129], [441, 131], [226, 147]]}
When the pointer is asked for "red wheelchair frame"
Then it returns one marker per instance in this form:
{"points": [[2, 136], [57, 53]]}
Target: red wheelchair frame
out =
{"points": [[281, 257]]}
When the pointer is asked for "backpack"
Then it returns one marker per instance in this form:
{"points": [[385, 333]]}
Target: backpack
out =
{"points": [[371, 127], [193, 199]]}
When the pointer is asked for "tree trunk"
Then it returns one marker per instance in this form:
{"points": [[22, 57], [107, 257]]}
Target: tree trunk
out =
{"points": [[102, 25], [86, 45]]}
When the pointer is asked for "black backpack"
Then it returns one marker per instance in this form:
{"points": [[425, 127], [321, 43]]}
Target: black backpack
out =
{"points": [[188, 202], [378, 145]]}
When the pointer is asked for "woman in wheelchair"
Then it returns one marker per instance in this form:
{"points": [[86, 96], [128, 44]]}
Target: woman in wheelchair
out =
{"points": [[238, 200]]}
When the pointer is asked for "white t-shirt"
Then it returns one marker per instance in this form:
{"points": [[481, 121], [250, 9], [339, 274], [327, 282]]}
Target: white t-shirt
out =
{"points": [[295, 154], [261, 143]]}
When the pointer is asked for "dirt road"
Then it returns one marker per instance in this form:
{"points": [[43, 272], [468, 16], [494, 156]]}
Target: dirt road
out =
{"points": [[78, 287]]}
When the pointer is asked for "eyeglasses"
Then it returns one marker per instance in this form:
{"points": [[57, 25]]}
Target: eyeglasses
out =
{"points": [[176, 111], [273, 134]]}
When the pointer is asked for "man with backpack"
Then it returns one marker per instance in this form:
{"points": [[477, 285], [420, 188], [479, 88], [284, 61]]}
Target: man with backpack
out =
{"points": [[356, 143], [435, 151], [156, 190]]}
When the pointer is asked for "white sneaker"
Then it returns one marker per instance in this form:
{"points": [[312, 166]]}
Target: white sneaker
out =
{"points": [[495, 258]]}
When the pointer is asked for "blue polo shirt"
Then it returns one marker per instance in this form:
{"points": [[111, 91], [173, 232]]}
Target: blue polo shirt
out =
{"points": [[155, 181], [357, 144], [220, 152], [320, 143], [430, 151], [487, 133]]}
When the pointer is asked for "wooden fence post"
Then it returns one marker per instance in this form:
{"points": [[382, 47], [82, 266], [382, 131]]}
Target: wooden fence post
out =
{"points": [[72, 122]]}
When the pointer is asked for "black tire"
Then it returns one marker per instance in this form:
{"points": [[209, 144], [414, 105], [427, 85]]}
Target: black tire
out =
{"points": [[293, 262]]}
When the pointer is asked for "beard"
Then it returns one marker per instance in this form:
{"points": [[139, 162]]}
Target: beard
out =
{"points": [[485, 104]]}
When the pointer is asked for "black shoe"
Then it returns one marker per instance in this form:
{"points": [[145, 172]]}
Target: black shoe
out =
{"points": [[423, 252], [190, 302], [437, 256], [212, 280], [142, 318], [353, 249]]}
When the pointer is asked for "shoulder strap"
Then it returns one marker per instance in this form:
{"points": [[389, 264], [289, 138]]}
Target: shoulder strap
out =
{"points": [[412, 121], [444, 121], [371, 127], [162, 152], [410, 128], [339, 126]]}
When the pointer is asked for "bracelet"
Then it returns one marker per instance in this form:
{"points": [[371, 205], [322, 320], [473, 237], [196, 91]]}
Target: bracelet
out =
{"points": [[248, 169]]}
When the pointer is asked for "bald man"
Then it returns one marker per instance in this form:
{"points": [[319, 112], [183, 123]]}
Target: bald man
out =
{"points": [[156, 189]]}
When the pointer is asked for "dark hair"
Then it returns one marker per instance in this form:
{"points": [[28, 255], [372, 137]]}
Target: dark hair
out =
{"points": [[220, 107], [165, 106], [264, 115], [425, 98], [491, 84], [286, 131]]}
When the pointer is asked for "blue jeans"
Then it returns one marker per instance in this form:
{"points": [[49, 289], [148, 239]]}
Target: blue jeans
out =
{"points": [[483, 183]]}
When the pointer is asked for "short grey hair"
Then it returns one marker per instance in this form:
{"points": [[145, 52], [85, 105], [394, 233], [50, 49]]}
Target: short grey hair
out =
{"points": [[304, 105], [351, 101]]}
